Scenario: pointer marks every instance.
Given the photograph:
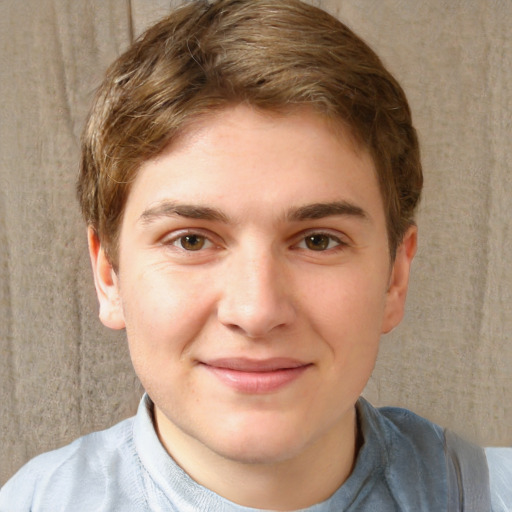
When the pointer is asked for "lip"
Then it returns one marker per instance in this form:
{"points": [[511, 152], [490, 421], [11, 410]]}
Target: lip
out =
{"points": [[253, 376]]}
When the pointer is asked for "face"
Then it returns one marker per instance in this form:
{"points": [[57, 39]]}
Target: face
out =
{"points": [[254, 283]]}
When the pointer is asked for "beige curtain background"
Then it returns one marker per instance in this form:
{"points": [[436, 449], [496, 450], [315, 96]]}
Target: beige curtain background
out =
{"points": [[62, 374]]}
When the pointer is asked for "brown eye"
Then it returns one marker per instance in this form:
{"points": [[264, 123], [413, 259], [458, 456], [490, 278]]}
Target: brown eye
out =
{"points": [[318, 242], [192, 242]]}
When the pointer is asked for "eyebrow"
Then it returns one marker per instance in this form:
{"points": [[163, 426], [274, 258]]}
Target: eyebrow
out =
{"points": [[190, 211], [302, 213], [322, 210]]}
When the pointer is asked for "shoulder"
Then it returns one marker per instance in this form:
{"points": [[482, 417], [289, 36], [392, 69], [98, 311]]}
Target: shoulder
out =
{"points": [[411, 452], [83, 471], [499, 461], [419, 445]]}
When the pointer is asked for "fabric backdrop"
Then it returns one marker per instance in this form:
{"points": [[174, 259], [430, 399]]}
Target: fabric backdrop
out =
{"points": [[62, 374]]}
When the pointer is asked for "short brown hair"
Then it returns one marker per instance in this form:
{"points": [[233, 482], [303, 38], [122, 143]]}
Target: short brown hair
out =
{"points": [[272, 54]]}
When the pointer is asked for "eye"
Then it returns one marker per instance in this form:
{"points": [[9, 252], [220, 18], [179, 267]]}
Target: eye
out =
{"points": [[192, 242], [319, 242]]}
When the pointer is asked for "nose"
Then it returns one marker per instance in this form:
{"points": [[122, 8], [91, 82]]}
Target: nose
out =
{"points": [[256, 296]]}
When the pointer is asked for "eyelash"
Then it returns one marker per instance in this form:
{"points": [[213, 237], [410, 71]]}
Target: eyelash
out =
{"points": [[179, 238], [339, 244], [334, 243]]}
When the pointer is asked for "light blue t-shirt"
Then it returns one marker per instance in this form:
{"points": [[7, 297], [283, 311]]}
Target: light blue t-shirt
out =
{"points": [[400, 467]]}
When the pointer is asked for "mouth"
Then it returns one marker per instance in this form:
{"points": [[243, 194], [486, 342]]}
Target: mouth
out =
{"points": [[254, 376]]}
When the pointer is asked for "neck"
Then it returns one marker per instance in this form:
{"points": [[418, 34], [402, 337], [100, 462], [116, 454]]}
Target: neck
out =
{"points": [[309, 477]]}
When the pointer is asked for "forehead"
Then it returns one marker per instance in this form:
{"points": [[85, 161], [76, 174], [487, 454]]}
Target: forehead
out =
{"points": [[266, 159], [253, 123]]}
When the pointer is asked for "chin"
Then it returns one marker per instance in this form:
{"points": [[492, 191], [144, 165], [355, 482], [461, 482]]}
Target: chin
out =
{"points": [[260, 445], [258, 454]]}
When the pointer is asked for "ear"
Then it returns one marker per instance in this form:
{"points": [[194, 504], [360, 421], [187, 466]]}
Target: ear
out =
{"points": [[399, 280], [106, 282]]}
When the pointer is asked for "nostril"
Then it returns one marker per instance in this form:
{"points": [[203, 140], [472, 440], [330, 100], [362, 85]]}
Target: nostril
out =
{"points": [[255, 322]]}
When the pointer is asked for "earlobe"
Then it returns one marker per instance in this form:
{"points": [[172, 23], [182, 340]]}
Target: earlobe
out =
{"points": [[106, 283], [399, 280]]}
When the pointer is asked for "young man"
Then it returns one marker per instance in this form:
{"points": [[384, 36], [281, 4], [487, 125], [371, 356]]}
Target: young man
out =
{"points": [[249, 179]]}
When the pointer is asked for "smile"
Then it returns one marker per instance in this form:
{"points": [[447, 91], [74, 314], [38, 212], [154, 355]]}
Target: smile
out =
{"points": [[256, 376]]}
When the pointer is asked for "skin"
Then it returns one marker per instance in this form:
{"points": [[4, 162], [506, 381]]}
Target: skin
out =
{"points": [[287, 257]]}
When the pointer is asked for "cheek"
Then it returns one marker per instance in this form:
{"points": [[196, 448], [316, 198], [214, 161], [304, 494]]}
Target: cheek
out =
{"points": [[347, 314], [163, 312], [164, 317], [347, 306]]}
